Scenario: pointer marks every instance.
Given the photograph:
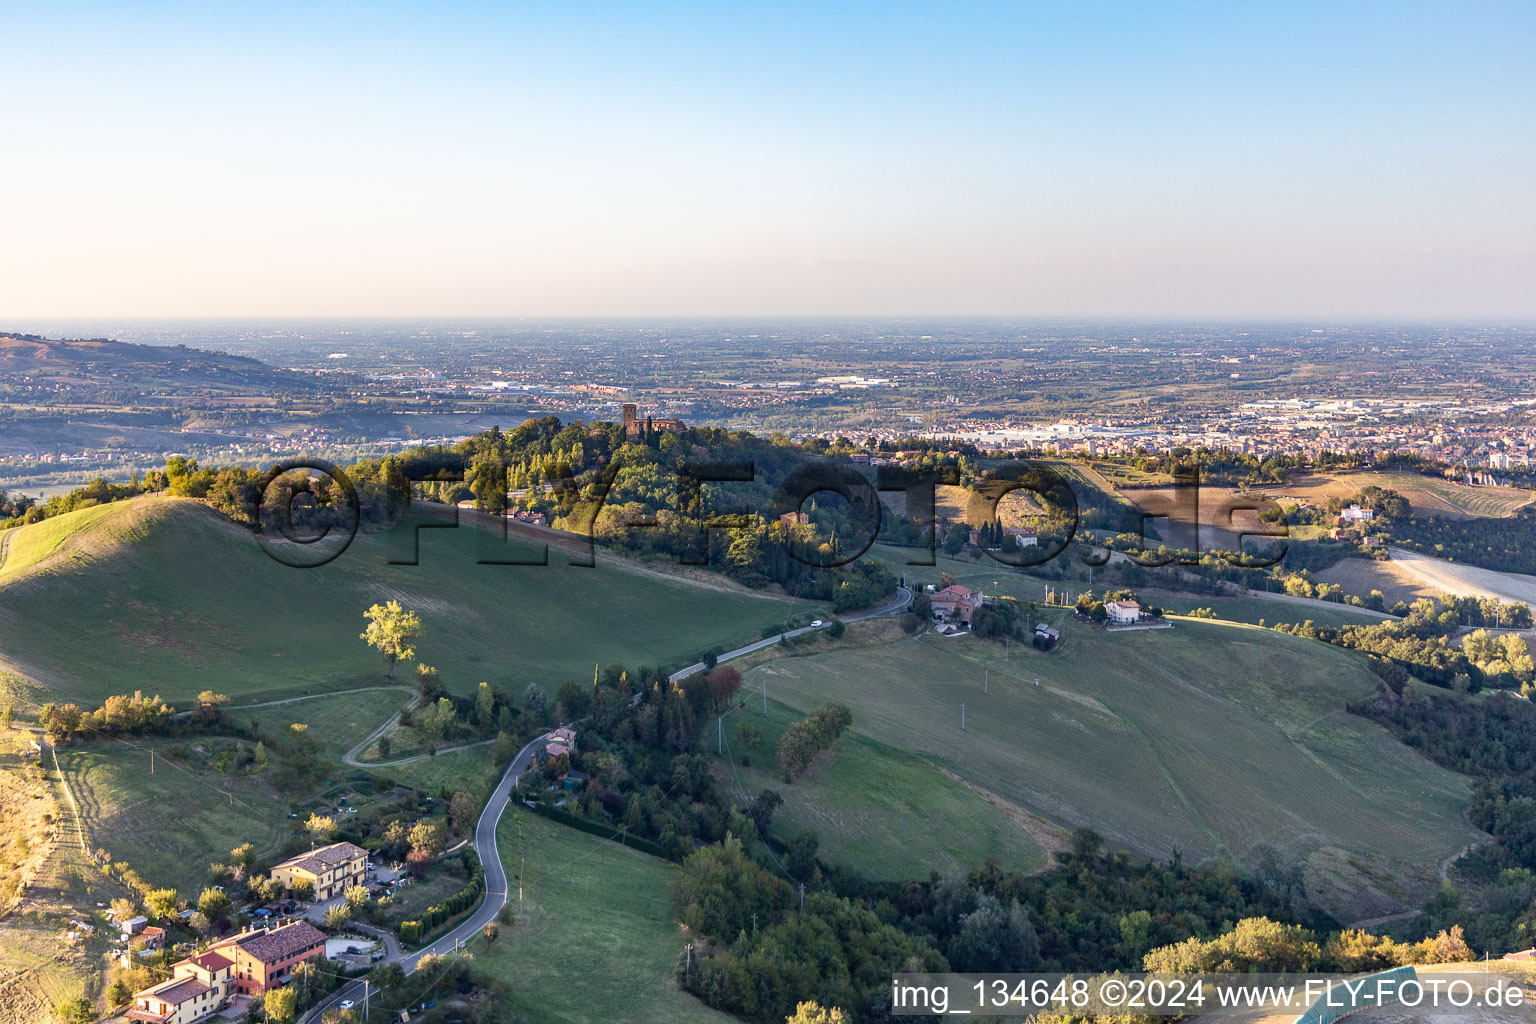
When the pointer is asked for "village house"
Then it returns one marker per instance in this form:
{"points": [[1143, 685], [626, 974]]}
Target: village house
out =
{"points": [[328, 870], [1356, 514], [795, 518], [198, 986], [955, 603], [1123, 612], [265, 959], [561, 741], [524, 516]]}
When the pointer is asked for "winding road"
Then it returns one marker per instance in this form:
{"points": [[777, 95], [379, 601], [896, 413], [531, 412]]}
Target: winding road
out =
{"points": [[490, 906], [485, 828]]}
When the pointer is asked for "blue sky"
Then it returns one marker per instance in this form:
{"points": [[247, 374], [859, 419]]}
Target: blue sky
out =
{"points": [[262, 159]]}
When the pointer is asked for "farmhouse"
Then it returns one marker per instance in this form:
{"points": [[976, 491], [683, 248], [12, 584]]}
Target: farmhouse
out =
{"points": [[1123, 612], [1356, 514], [197, 987], [955, 603], [524, 516], [1023, 536], [265, 959], [328, 870]]}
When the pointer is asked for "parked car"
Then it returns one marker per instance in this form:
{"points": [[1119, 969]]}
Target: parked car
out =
{"points": [[816, 622], [347, 1004]]}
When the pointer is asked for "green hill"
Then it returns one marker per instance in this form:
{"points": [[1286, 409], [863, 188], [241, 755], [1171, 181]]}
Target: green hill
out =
{"points": [[1209, 739], [166, 596]]}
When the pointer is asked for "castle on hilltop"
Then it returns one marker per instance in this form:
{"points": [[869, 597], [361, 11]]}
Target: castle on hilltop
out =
{"points": [[634, 426]]}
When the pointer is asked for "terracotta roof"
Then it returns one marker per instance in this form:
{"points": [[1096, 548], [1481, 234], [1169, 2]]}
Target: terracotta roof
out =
{"points": [[212, 960], [149, 1016], [319, 860], [281, 943], [955, 592], [177, 992]]}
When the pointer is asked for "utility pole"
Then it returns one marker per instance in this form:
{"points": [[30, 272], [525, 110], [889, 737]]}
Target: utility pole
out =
{"points": [[986, 682], [765, 695], [520, 869], [366, 991], [754, 925], [720, 735], [962, 718], [689, 963], [802, 895]]}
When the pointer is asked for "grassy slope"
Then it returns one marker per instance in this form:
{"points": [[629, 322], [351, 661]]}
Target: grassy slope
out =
{"points": [[166, 596], [336, 722], [172, 824], [1207, 738], [594, 932], [996, 578], [876, 808]]}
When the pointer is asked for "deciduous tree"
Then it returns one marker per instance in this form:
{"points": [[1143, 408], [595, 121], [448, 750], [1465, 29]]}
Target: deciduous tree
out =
{"points": [[392, 631]]}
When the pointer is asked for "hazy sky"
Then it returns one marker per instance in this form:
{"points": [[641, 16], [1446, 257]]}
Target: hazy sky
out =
{"points": [[487, 159]]}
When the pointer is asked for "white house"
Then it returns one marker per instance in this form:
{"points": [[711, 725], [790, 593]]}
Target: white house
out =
{"points": [[1123, 611], [1356, 514]]}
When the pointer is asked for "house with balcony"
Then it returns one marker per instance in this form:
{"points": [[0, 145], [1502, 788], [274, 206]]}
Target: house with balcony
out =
{"points": [[198, 987], [329, 870]]}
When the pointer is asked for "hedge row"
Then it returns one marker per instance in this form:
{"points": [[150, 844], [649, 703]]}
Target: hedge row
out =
{"points": [[600, 829], [411, 931]]}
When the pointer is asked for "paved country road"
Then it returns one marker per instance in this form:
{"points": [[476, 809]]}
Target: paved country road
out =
{"points": [[898, 603], [485, 828], [495, 887]]}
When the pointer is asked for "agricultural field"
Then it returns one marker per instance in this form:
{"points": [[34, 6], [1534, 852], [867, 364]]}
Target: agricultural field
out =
{"points": [[995, 578], [1412, 574], [594, 918], [879, 810], [1210, 738], [182, 600], [1444, 577], [1426, 494], [170, 824]]}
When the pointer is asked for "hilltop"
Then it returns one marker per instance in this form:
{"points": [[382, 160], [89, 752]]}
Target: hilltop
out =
{"points": [[166, 595], [119, 361]]}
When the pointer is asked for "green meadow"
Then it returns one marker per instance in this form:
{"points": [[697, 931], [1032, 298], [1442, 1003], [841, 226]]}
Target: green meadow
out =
{"points": [[1209, 739], [875, 808], [594, 919], [166, 596]]}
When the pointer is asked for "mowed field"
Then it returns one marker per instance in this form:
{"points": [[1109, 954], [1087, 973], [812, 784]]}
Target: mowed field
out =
{"points": [[1211, 738], [594, 940], [1413, 574], [1426, 494], [995, 578], [170, 824], [166, 596], [884, 812]]}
